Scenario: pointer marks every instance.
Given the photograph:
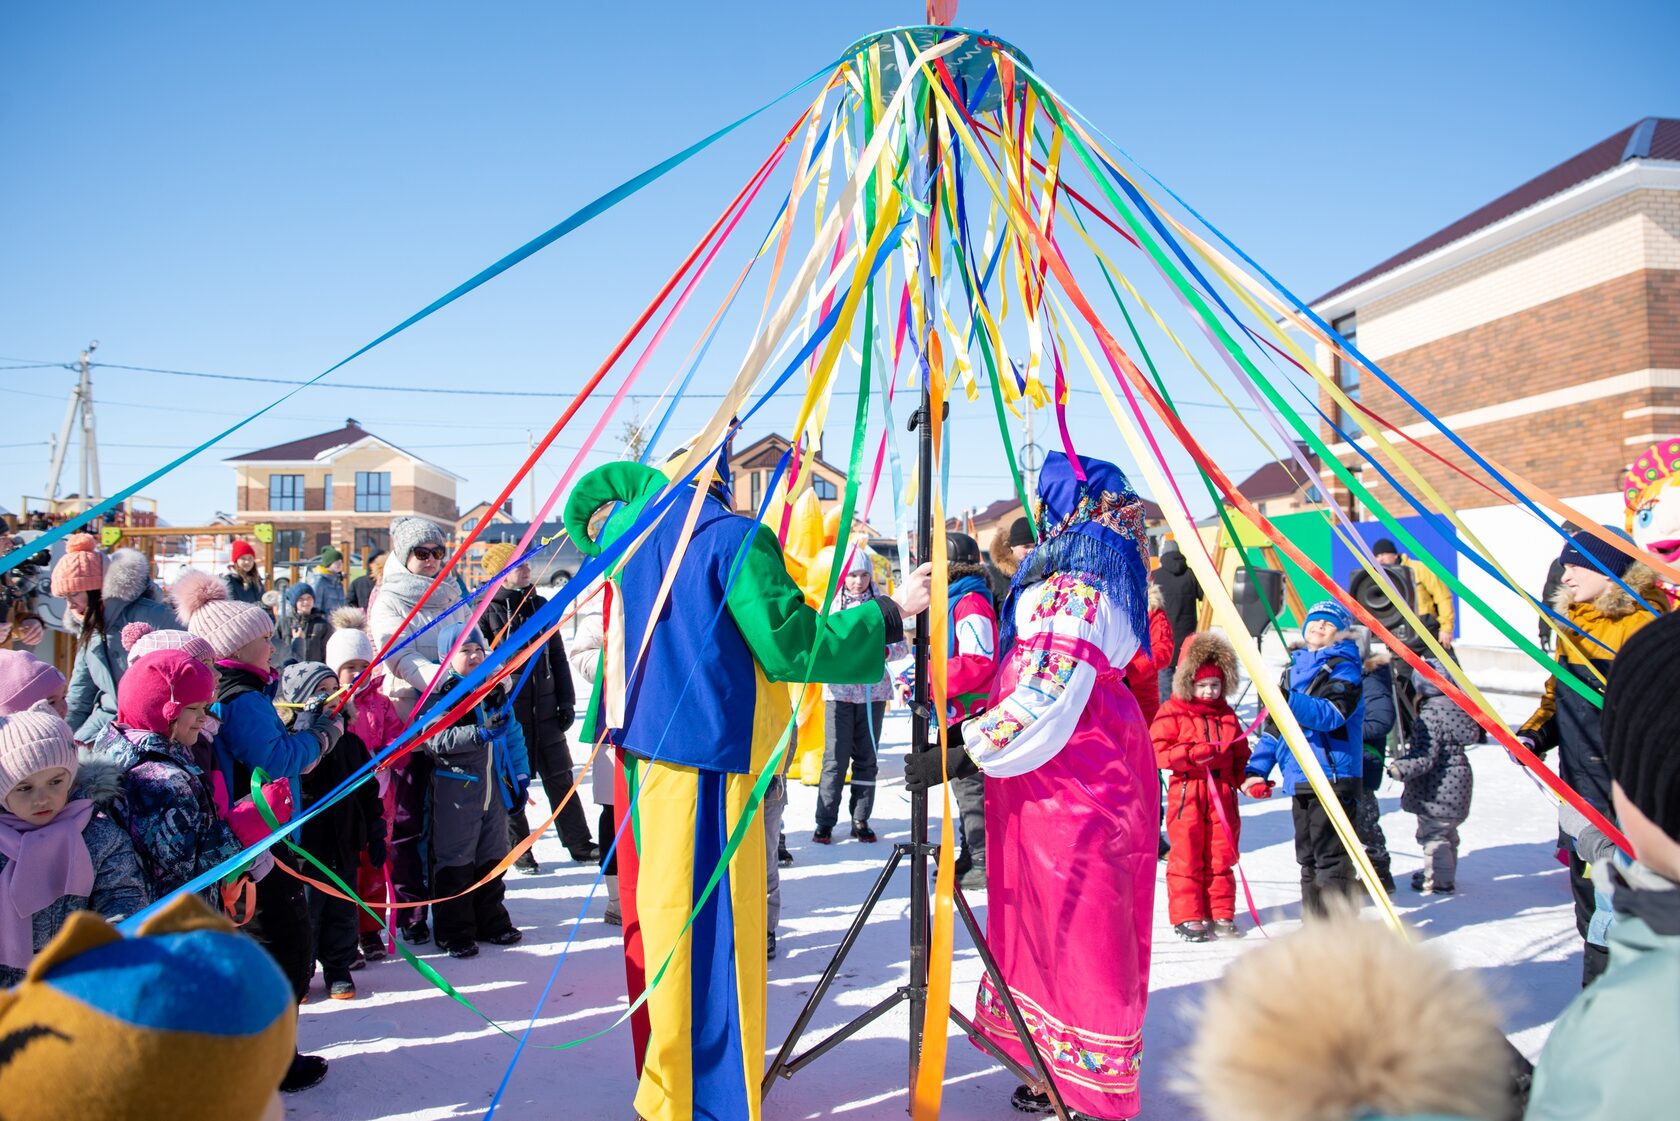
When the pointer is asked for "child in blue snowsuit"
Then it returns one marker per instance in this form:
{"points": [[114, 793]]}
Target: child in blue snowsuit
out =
{"points": [[1324, 683]]}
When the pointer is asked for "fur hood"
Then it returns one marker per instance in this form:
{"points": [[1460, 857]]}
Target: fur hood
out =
{"points": [[99, 778], [1615, 603], [1200, 649], [1377, 657], [1344, 1019], [958, 571], [1157, 602], [128, 577], [1002, 555]]}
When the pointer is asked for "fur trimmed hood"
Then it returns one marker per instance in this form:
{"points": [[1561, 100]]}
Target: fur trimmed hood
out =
{"points": [[128, 577], [99, 778], [958, 571], [1343, 1019], [1200, 649], [1002, 555], [1615, 603], [1157, 602]]}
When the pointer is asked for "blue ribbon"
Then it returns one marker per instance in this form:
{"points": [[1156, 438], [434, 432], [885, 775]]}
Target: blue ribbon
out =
{"points": [[548, 237]]}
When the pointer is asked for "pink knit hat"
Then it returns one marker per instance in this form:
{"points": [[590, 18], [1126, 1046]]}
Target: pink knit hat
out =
{"points": [[81, 568], [158, 686], [33, 740], [25, 680], [140, 639], [202, 604]]}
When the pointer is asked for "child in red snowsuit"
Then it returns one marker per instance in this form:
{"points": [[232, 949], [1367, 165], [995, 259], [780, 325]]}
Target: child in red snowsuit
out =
{"points": [[1199, 739], [1143, 672]]}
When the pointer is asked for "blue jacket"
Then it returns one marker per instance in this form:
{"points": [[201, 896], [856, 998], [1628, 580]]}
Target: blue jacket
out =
{"points": [[1326, 694], [465, 748], [252, 735]]}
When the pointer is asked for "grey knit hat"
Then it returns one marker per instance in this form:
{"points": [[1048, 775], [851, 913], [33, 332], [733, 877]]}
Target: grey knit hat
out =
{"points": [[407, 533]]}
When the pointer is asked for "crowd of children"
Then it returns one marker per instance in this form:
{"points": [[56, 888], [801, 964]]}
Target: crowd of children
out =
{"points": [[176, 738], [180, 736]]}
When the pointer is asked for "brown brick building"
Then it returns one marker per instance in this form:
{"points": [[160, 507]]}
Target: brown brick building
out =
{"points": [[337, 488], [1544, 329]]}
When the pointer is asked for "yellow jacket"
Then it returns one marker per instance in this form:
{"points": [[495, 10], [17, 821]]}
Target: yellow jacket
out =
{"points": [[1433, 598]]}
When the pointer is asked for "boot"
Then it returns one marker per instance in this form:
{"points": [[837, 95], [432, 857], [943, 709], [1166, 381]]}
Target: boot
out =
{"points": [[613, 916]]}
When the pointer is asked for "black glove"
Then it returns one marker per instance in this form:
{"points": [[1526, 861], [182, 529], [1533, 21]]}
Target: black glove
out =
{"points": [[921, 769], [568, 717]]}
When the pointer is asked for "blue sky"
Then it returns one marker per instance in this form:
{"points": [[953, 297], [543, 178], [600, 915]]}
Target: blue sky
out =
{"points": [[260, 190]]}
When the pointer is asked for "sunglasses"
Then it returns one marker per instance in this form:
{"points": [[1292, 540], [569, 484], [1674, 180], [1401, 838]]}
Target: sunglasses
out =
{"points": [[428, 552]]}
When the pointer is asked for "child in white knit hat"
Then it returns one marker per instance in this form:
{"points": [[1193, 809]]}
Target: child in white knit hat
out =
{"points": [[58, 853]]}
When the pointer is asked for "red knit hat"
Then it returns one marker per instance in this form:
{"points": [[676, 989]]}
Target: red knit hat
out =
{"points": [[1207, 671], [241, 549], [157, 687], [81, 568]]}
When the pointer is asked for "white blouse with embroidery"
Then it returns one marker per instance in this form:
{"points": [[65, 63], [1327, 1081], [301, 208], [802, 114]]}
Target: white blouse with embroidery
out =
{"points": [[1028, 727]]}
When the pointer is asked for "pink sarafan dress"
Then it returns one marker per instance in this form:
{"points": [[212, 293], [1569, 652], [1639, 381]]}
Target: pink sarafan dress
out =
{"points": [[1072, 823]]}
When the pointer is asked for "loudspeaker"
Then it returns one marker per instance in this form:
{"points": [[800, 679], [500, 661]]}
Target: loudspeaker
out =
{"points": [[1373, 598], [1252, 590]]}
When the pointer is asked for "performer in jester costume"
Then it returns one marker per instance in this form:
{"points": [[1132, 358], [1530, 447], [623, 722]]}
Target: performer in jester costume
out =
{"points": [[695, 723]]}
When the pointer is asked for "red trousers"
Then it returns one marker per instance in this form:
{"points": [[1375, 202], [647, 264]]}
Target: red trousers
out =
{"points": [[1200, 883]]}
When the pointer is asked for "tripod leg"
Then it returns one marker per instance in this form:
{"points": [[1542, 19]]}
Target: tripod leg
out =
{"points": [[1022, 1032], [783, 1057]]}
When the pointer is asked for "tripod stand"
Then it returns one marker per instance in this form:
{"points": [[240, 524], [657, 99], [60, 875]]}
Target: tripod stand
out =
{"points": [[917, 849]]}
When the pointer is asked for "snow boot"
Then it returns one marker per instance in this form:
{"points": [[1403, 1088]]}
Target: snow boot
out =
{"points": [[784, 858], [1195, 930], [305, 1071], [824, 835], [1225, 928], [862, 832]]}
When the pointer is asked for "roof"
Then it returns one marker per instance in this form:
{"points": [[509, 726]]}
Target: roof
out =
{"points": [[995, 510], [1277, 480], [1655, 138], [323, 444], [766, 451]]}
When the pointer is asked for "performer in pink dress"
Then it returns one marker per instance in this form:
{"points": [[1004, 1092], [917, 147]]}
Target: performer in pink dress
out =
{"points": [[1072, 817]]}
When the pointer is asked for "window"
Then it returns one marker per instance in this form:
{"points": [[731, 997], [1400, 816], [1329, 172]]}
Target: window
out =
{"points": [[373, 492], [288, 544], [467, 526], [825, 489], [370, 541], [285, 492], [757, 488], [1347, 373], [326, 493]]}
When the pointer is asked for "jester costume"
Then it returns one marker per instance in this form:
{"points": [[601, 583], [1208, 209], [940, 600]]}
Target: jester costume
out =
{"points": [[695, 723], [1072, 817]]}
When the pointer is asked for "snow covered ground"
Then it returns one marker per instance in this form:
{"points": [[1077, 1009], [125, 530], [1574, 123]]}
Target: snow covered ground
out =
{"points": [[404, 1050]]}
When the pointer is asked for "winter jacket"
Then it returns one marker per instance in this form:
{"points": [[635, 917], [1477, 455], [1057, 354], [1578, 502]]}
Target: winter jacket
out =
{"points": [[1325, 688], [1611, 1056], [971, 642], [340, 834], [329, 593], [306, 636], [484, 749], [1192, 736], [1433, 767], [1433, 596], [882, 690], [119, 890], [251, 733], [547, 703], [1568, 721], [128, 597], [361, 590], [1378, 690], [410, 669], [1181, 596], [375, 722], [164, 801], [241, 590], [1143, 672]]}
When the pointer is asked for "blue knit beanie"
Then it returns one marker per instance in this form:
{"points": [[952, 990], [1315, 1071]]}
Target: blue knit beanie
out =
{"points": [[1329, 611], [1584, 548]]}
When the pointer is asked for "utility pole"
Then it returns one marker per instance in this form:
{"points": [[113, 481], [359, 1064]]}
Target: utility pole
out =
{"points": [[531, 476], [81, 402]]}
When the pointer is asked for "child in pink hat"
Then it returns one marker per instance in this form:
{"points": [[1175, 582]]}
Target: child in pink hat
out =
{"points": [[58, 853], [26, 681]]}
